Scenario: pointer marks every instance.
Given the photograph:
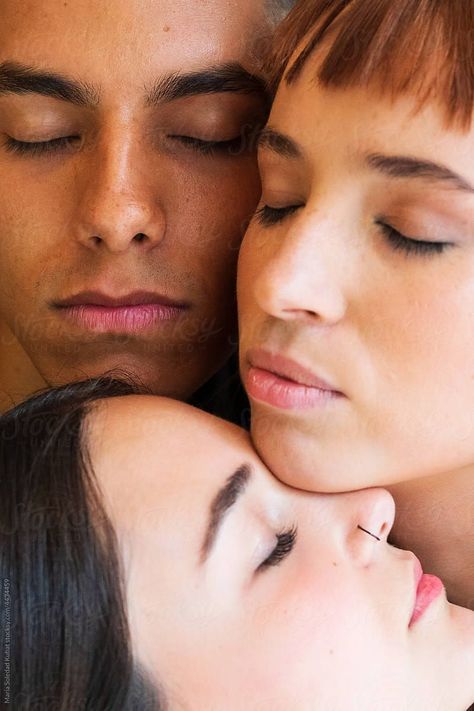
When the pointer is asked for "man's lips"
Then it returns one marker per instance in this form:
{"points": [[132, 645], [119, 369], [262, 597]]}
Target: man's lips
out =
{"points": [[427, 589], [130, 313], [284, 383], [136, 298]]}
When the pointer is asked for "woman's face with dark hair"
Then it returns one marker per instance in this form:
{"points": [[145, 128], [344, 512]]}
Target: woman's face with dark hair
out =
{"points": [[245, 594]]}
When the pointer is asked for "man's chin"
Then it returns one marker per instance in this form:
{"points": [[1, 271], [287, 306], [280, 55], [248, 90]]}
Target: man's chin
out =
{"points": [[151, 374]]}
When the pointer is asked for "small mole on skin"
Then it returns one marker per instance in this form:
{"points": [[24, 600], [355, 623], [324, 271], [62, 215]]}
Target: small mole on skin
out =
{"points": [[166, 28], [334, 563]]}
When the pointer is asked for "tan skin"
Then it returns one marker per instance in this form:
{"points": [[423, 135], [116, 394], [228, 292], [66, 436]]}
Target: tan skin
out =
{"points": [[124, 171]]}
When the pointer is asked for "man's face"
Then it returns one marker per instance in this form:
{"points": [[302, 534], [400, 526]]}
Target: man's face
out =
{"points": [[120, 224]]}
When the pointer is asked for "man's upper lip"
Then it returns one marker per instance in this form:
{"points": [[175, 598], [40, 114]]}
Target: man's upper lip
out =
{"points": [[136, 298], [288, 368]]}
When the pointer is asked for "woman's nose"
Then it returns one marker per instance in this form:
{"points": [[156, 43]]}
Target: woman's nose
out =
{"points": [[301, 277], [369, 519], [376, 511]]}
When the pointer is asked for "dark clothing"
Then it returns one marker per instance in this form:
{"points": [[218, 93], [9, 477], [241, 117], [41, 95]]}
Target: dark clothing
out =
{"points": [[224, 396]]}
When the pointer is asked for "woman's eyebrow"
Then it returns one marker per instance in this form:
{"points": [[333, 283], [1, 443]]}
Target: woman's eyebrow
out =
{"points": [[279, 143], [223, 501], [411, 167]]}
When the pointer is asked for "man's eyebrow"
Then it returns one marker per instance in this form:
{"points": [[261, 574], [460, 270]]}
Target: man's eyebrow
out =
{"points": [[410, 167], [23, 79], [225, 78], [223, 501], [280, 144]]}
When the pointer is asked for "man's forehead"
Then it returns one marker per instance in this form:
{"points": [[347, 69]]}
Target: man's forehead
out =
{"points": [[140, 21], [130, 43]]}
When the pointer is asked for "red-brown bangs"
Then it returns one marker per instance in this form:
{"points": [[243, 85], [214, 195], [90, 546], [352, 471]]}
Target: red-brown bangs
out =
{"points": [[419, 47]]}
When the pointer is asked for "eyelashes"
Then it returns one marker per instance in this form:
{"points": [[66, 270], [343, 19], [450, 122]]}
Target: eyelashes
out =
{"points": [[285, 544], [268, 216], [39, 148], [232, 147], [400, 243]]}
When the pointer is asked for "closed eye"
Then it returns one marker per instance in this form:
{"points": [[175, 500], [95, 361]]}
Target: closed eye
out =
{"points": [[232, 146], [37, 148], [400, 243], [284, 546], [268, 216]]}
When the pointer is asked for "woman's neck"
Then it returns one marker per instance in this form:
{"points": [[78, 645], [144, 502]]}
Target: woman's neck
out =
{"points": [[435, 519]]}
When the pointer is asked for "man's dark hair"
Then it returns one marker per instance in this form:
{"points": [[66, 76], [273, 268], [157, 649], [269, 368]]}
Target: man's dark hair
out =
{"points": [[64, 635]]}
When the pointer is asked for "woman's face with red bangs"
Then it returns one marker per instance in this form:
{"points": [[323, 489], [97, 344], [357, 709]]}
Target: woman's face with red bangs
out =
{"points": [[356, 291]]}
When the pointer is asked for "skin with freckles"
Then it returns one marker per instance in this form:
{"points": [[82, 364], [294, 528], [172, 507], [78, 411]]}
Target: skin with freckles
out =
{"points": [[328, 279], [290, 604], [360, 268], [121, 193]]}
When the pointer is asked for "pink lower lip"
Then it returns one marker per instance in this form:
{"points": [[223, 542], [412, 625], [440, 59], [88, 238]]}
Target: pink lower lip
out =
{"points": [[429, 589], [121, 319], [283, 393]]}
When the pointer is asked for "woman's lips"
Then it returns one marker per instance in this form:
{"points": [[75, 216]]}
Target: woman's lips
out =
{"points": [[283, 383], [428, 589]]}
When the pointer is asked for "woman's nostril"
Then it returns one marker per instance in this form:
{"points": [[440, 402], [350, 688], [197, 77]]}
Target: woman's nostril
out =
{"points": [[369, 533]]}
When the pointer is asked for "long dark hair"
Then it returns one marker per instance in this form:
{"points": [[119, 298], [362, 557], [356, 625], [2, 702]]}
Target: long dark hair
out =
{"points": [[64, 639]]}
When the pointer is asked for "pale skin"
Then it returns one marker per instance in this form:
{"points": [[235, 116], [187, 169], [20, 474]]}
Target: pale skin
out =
{"points": [[387, 322], [325, 627], [69, 218]]}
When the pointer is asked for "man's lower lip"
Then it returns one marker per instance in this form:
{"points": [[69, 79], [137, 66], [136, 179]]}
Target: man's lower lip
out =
{"points": [[121, 319], [285, 394], [429, 589]]}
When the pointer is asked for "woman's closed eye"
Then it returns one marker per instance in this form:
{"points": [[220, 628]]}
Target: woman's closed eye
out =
{"points": [[284, 546], [268, 216], [411, 247]]}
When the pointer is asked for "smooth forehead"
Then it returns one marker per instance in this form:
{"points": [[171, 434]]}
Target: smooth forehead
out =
{"points": [[366, 120], [128, 36], [148, 451], [150, 420]]}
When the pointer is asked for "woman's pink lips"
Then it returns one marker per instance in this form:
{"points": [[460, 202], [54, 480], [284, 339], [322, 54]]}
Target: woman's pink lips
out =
{"points": [[428, 589], [284, 393]]}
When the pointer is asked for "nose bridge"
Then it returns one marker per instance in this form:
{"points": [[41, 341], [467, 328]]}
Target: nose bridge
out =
{"points": [[116, 169], [116, 205], [303, 273]]}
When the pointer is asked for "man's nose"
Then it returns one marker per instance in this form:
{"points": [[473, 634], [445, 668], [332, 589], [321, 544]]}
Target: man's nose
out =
{"points": [[119, 207], [301, 278]]}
